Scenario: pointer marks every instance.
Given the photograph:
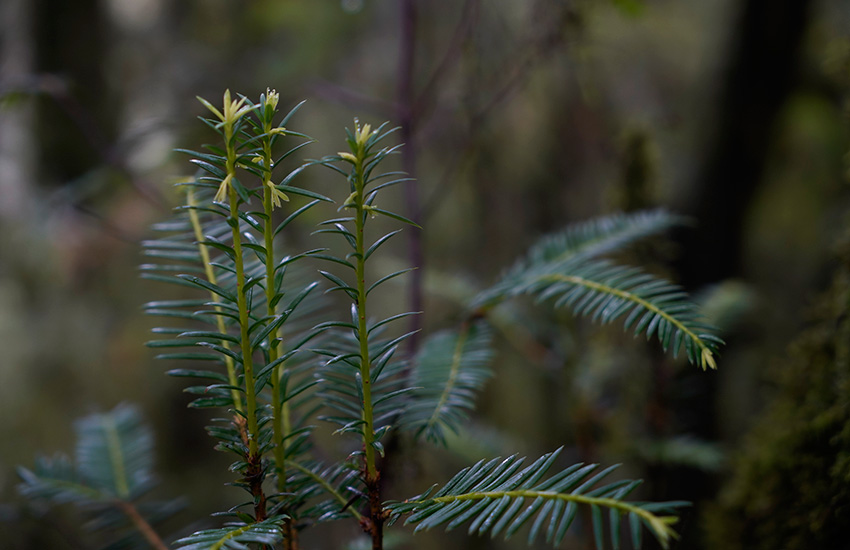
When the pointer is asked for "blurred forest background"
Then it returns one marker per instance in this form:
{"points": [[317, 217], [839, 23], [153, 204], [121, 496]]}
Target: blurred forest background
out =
{"points": [[518, 118]]}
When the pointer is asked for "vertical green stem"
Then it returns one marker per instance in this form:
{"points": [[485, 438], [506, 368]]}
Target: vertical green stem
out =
{"points": [[244, 320], [208, 269], [376, 519], [254, 471], [280, 423], [365, 365], [242, 301]]}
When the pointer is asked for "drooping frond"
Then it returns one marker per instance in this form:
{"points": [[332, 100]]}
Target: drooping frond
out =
{"points": [[497, 497], [585, 240], [235, 536], [648, 305], [600, 236], [564, 267], [450, 369]]}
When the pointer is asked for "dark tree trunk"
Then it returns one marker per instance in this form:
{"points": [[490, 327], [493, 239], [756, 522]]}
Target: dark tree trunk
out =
{"points": [[760, 77]]}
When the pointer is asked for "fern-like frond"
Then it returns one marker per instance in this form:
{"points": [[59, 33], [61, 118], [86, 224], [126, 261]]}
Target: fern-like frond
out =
{"points": [[565, 268], [648, 304], [600, 236], [498, 497], [450, 369], [114, 460], [584, 240], [235, 536]]}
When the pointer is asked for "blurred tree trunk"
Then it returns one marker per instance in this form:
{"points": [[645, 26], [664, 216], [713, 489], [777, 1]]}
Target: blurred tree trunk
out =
{"points": [[16, 122], [71, 45], [760, 76]]}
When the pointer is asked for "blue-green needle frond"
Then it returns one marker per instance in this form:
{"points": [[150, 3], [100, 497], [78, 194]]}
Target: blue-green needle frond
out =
{"points": [[564, 269], [499, 497], [235, 536], [449, 371]]}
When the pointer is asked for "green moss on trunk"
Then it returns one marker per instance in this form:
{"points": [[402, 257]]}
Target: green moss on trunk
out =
{"points": [[791, 483]]}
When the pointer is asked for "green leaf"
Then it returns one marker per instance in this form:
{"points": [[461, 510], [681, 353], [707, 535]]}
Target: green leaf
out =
{"points": [[393, 215], [294, 215], [303, 192], [385, 278], [206, 285], [378, 243]]}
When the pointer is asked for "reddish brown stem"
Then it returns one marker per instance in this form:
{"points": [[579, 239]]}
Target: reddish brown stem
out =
{"points": [[141, 525], [374, 524]]}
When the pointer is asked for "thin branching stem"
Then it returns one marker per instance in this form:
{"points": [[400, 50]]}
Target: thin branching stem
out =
{"points": [[141, 525], [362, 332], [210, 273]]}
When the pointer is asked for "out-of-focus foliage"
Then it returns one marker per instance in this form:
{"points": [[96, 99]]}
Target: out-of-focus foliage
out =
{"points": [[111, 471], [543, 113], [789, 485]]}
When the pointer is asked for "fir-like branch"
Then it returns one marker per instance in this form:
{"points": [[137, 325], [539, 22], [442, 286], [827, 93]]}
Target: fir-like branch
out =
{"points": [[114, 458], [649, 305], [497, 497], [564, 267], [581, 241], [450, 370]]}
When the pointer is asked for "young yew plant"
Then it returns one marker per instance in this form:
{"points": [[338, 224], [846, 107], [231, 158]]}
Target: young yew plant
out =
{"points": [[278, 360]]}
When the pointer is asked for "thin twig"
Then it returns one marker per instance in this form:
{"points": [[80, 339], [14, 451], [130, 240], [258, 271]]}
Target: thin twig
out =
{"points": [[518, 75], [405, 114], [427, 95], [346, 96], [141, 524]]}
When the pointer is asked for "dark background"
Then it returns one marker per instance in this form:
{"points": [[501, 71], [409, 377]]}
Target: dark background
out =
{"points": [[518, 118]]}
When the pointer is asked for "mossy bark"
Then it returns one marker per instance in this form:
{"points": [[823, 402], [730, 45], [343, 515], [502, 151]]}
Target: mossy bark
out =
{"points": [[790, 487]]}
